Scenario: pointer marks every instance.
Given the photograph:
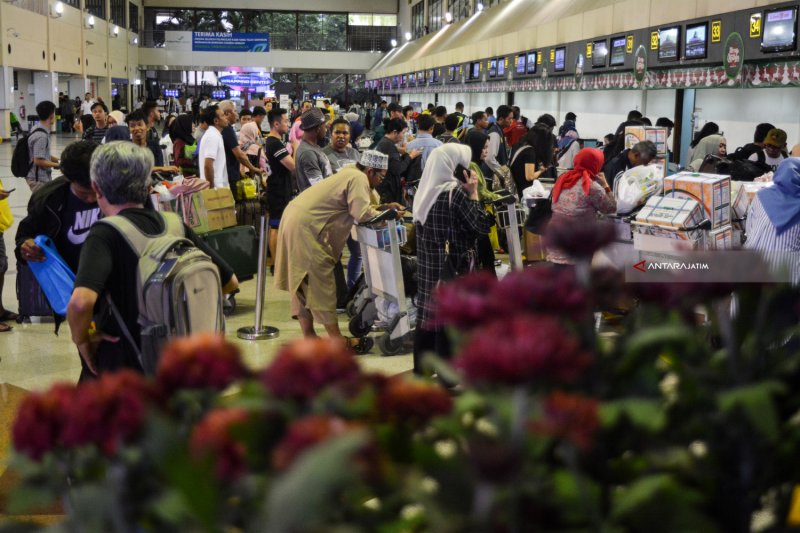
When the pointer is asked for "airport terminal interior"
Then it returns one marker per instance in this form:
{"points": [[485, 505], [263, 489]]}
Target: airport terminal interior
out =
{"points": [[512, 265]]}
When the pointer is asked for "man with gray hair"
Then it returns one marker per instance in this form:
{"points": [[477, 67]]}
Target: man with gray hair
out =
{"points": [[108, 265], [641, 154], [234, 156], [312, 235]]}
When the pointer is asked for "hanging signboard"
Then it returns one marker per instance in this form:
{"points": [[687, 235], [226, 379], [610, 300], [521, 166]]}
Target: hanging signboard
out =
{"points": [[247, 79], [220, 41]]}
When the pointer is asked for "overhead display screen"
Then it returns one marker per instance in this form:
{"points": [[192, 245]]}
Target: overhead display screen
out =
{"points": [[501, 67], [599, 53], [696, 41], [669, 43], [560, 63], [475, 70], [617, 52], [453, 73], [532, 62], [521, 65], [780, 30], [492, 68]]}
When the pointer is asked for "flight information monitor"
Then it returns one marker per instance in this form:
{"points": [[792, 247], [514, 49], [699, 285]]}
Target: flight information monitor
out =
{"points": [[696, 41], [669, 43], [501, 67], [533, 58], [521, 66], [560, 63], [599, 53], [492, 68], [617, 52], [780, 30]]}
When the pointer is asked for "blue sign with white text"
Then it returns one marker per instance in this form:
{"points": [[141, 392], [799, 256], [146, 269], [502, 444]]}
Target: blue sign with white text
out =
{"points": [[220, 41]]}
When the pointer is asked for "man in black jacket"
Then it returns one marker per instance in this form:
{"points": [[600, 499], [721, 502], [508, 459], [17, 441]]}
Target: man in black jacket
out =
{"points": [[641, 154], [390, 189]]}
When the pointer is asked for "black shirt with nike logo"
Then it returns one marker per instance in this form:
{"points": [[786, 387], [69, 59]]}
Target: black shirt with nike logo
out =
{"points": [[77, 218]]}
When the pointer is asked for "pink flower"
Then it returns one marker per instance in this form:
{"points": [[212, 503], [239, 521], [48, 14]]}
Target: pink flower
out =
{"points": [[40, 420], [542, 290], [213, 439], [569, 416], [204, 361], [412, 401], [523, 349], [302, 368], [463, 302], [107, 412], [579, 237]]}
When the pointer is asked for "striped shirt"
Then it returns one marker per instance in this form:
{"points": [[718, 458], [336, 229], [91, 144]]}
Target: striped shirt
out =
{"points": [[95, 134], [762, 236]]}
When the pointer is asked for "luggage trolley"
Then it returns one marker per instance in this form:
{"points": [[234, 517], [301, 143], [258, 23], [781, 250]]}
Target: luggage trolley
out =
{"points": [[510, 217], [380, 239]]}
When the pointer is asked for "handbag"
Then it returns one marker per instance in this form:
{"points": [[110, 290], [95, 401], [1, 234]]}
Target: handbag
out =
{"points": [[453, 264], [246, 189], [539, 215], [505, 178]]}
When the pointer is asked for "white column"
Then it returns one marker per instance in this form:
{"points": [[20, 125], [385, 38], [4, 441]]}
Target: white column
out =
{"points": [[45, 87], [78, 87], [6, 100]]}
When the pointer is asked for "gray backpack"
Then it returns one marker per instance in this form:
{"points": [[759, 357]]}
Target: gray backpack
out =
{"points": [[179, 288]]}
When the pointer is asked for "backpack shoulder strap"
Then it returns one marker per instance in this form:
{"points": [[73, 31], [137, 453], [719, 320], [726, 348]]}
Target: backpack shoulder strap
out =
{"points": [[136, 238]]}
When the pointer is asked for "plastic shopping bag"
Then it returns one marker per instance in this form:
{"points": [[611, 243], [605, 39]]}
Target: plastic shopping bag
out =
{"points": [[53, 275], [635, 186]]}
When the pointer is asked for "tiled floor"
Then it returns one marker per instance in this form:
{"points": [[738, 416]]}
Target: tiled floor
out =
{"points": [[33, 357]]}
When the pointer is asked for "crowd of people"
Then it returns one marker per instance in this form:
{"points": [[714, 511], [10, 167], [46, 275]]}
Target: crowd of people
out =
{"points": [[444, 167]]}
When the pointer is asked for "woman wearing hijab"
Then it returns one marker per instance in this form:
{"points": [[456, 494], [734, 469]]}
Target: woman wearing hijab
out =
{"points": [[182, 134], [715, 145], [117, 133], [449, 218], [709, 128], [773, 220], [579, 195], [115, 118], [478, 143]]}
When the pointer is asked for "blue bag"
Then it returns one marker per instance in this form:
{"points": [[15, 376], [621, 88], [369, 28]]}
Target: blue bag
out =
{"points": [[53, 275]]}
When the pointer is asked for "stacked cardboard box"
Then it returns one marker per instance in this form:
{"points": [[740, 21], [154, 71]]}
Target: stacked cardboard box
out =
{"points": [[661, 225], [211, 210], [711, 191], [742, 194]]}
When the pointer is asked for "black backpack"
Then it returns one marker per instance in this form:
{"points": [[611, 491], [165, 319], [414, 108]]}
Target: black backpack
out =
{"points": [[743, 153], [743, 169], [21, 158]]}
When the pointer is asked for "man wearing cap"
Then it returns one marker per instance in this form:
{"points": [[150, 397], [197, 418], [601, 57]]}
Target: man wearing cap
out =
{"points": [[311, 164], [774, 148], [312, 235]]}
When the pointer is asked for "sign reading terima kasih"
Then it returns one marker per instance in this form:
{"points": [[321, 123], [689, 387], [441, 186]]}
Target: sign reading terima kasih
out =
{"points": [[220, 41]]}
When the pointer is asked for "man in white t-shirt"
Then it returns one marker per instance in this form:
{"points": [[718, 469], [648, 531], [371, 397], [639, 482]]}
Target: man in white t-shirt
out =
{"points": [[211, 152], [774, 147], [86, 105]]}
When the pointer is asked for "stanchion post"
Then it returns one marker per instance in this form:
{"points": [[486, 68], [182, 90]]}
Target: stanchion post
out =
{"points": [[258, 332]]}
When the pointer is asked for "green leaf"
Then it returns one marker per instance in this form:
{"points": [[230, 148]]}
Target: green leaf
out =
{"points": [[300, 498], [756, 403], [644, 413]]}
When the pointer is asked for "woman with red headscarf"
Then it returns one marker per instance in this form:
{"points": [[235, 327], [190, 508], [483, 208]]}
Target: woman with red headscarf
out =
{"points": [[579, 195]]}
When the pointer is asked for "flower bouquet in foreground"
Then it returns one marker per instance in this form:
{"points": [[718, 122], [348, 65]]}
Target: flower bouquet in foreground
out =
{"points": [[667, 425]]}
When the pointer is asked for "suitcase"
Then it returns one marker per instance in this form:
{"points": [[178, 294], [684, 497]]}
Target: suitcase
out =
{"points": [[237, 246], [248, 213], [31, 298]]}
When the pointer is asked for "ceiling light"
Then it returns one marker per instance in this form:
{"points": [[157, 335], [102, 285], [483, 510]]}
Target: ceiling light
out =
{"points": [[134, 41], [448, 17], [393, 42], [479, 7], [90, 22], [57, 10], [114, 31], [408, 36]]}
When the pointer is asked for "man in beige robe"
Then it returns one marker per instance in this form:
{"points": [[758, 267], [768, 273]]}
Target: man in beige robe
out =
{"points": [[313, 233]]}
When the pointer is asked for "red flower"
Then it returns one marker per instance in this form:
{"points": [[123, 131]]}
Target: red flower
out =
{"points": [[107, 412], [542, 290], [521, 350], [412, 401], [40, 419], [204, 361], [579, 237], [213, 439], [463, 301], [306, 433], [569, 416], [303, 367]]}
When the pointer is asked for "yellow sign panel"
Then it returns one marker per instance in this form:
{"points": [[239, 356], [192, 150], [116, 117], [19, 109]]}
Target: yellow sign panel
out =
{"points": [[654, 40], [506, 63], [755, 25], [629, 44], [538, 59], [552, 55], [716, 31], [588, 50]]}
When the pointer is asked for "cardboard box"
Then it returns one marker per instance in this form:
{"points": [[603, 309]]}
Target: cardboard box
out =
{"points": [[742, 194], [672, 213], [662, 243], [534, 247], [720, 239], [637, 134], [711, 191], [211, 210]]}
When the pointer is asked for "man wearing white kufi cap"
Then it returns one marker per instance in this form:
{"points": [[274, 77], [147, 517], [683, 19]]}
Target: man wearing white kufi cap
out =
{"points": [[312, 235]]}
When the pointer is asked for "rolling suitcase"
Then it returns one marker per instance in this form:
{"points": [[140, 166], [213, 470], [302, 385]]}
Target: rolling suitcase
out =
{"points": [[31, 298], [248, 213], [238, 246]]}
